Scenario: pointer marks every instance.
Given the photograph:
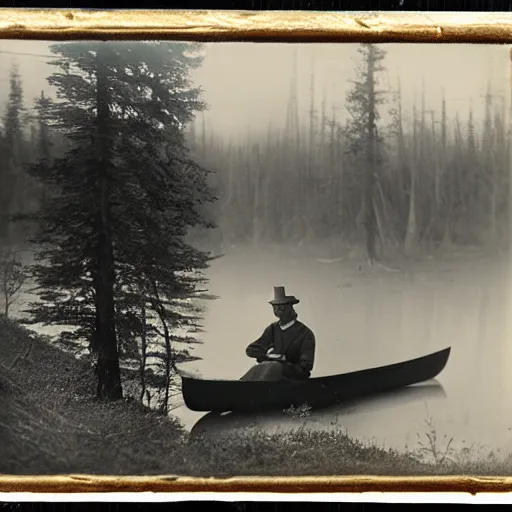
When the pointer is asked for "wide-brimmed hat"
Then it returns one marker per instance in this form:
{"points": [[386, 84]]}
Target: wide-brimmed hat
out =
{"points": [[280, 297]]}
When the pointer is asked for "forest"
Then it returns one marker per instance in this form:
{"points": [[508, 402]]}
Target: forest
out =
{"points": [[125, 196], [394, 184]]}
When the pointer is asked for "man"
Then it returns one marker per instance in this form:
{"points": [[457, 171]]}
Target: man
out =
{"points": [[286, 349]]}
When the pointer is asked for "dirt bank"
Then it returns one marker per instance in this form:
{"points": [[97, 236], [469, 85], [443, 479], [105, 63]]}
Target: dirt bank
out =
{"points": [[51, 423]]}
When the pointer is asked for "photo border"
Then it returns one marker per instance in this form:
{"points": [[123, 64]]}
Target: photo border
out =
{"points": [[256, 26]]}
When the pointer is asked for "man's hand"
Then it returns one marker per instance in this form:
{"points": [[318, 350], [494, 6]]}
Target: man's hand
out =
{"points": [[272, 355], [276, 357]]}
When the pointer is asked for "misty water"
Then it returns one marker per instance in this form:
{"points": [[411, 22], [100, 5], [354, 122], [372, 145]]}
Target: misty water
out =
{"points": [[372, 318], [368, 318]]}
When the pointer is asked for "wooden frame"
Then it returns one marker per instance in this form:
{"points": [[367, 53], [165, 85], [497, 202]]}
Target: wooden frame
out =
{"points": [[285, 26], [290, 26]]}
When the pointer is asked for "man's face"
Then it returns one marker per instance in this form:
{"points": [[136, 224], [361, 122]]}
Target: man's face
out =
{"points": [[282, 311]]}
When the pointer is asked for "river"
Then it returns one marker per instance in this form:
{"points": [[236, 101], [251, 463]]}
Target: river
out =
{"points": [[372, 318]]}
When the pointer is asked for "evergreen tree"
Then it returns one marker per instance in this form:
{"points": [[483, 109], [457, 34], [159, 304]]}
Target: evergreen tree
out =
{"points": [[14, 136], [437, 179], [43, 142], [362, 103], [12, 146], [119, 203]]}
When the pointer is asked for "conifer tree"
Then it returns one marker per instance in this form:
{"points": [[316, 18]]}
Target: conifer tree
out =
{"points": [[11, 168], [362, 103], [119, 203]]}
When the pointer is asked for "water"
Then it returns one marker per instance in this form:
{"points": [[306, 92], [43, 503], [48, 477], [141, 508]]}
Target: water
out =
{"points": [[368, 319], [363, 320]]}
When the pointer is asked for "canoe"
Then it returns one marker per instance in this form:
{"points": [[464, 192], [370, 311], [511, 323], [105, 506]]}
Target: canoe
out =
{"points": [[216, 424], [317, 392]]}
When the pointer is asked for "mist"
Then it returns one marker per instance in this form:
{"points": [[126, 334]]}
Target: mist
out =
{"points": [[247, 85], [396, 242]]}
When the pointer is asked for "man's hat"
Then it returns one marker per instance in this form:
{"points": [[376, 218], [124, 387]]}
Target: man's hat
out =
{"points": [[280, 297]]}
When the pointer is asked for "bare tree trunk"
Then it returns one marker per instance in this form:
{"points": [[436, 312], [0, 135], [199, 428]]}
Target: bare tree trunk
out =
{"points": [[493, 207], [411, 237], [312, 124], [109, 375], [170, 363], [293, 139], [336, 174], [143, 356], [339, 169], [323, 142], [258, 182], [370, 218], [420, 166], [6, 291], [271, 227], [403, 162], [437, 174], [447, 196], [489, 166]]}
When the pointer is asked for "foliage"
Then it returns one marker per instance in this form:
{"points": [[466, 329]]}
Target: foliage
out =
{"points": [[267, 182], [12, 277], [52, 424], [12, 150], [136, 149]]}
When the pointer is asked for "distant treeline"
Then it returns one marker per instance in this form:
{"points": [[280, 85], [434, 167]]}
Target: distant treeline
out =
{"points": [[433, 183]]}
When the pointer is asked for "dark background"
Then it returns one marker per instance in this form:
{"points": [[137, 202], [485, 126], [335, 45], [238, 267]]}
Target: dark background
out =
{"points": [[304, 5]]}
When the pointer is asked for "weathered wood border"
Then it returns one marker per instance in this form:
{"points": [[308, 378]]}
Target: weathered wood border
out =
{"points": [[286, 485], [257, 26], [262, 26]]}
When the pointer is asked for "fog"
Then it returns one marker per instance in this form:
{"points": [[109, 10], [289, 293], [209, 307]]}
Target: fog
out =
{"points": [[364, 321], [247, 85], [360, 319]]}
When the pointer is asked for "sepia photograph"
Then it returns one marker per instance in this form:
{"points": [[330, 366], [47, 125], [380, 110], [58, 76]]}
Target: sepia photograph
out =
{"points": [[255, 259]]}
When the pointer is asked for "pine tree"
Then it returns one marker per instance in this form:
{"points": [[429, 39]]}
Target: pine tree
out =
{"points": [[13, 178], [362, 103], [120, 201], [13, 117]]}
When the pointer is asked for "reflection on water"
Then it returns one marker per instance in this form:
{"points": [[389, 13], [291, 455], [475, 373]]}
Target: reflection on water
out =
{"points": [[352, 416], [376, 318], [363, 321]]}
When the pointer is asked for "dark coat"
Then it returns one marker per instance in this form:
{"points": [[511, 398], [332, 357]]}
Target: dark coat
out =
{"points": [[297, 344]]}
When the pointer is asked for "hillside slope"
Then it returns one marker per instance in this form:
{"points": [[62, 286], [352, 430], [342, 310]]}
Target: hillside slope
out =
{"points": [[52, 423]]}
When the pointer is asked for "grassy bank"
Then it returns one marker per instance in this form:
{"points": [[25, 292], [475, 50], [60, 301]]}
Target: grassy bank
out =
{"points": [[52, 423]]}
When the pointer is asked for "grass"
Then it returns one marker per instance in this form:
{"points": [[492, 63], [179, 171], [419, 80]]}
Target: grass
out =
{"points": [[51, 423], [54, 424]]}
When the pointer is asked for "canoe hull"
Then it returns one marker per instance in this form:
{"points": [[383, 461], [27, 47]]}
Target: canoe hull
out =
{"points": [[215, 424], [247, 396]]}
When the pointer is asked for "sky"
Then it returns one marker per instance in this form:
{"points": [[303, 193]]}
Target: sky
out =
{"points": [[248, 84]]}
